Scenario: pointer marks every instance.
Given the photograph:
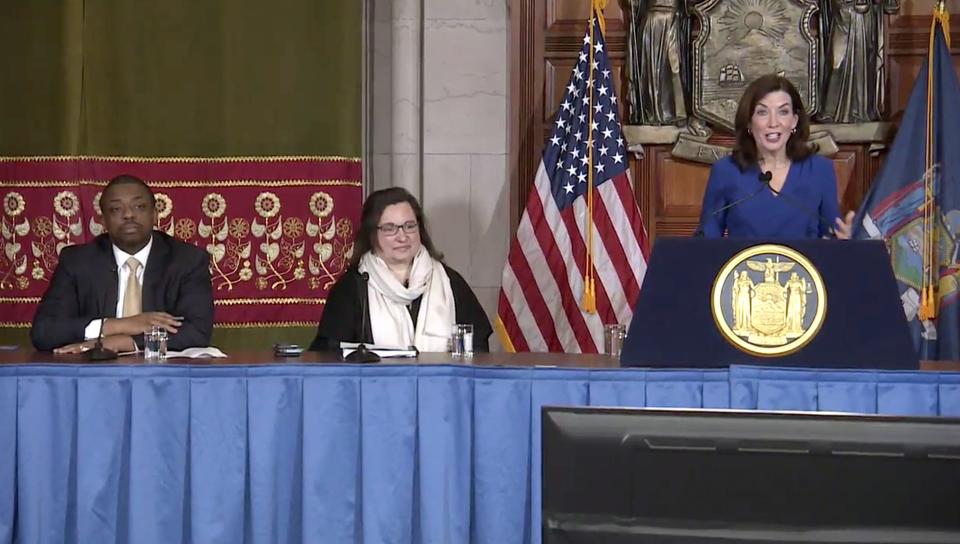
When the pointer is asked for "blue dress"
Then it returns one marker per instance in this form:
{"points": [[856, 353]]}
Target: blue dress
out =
{"points": [[806, 208]]}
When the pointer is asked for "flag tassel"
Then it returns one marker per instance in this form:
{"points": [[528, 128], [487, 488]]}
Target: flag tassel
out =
{"points": [[928, 306], [589, 301]]}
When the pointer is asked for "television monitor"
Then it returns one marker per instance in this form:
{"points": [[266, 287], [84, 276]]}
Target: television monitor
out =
{"points": [[618, 475]]}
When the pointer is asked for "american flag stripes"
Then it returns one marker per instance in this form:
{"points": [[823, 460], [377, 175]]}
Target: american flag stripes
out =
{"points": [[541, 305]]}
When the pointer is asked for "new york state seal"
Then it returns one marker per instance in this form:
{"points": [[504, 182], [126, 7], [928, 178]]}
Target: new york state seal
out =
{"points": [[769, 300]]}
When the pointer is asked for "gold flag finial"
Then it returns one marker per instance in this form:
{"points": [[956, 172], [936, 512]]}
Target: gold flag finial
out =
{"points": [[598, 7]]}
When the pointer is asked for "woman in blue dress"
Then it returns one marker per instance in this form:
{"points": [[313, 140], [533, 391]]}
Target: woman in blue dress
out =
{"points": [[772, 185]]}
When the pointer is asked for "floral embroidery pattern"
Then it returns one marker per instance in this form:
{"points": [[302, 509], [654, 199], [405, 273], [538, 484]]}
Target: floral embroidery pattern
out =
{"points": [[13, 204], [267, 205], [164, 206], [15, 262], [276, 245], [321, 204], [66, 203], [214, 205]]}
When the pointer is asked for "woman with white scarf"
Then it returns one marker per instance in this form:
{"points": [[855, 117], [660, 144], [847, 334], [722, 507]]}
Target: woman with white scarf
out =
{"points": [[411, 298]]}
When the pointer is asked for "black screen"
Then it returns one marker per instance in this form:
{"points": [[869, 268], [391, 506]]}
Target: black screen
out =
{"points": [[622, 475]]}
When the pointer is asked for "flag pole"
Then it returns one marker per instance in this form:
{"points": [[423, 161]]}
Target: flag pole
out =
{"points": [[929, 299], [589, 302]]}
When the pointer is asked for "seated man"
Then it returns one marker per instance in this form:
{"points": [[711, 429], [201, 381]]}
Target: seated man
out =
{"points": [[126, 281]]}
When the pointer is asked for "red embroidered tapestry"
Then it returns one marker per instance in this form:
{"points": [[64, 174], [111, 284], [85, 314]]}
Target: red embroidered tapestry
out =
{"points": [[279, 230]]}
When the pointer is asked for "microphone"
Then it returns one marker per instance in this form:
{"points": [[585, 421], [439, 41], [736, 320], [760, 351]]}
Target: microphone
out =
{"points": [[98, 352], [699, 231], [765, 178], [362, 354]]}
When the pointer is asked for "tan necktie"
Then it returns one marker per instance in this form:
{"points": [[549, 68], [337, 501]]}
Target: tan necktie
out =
{"points": [[131, 295]]}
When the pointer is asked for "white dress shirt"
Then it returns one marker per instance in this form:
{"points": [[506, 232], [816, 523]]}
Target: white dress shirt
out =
{"points": [[92, 330]]}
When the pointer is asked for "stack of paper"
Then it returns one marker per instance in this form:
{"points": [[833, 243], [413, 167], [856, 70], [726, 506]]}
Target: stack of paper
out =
{"points": [[382, 351]]}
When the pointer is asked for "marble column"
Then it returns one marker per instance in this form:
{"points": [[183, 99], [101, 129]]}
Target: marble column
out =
{"points": [[465, 184], [438, 125]]}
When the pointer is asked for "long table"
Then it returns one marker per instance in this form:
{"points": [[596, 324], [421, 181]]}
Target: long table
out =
{"points": [[255, 449]]}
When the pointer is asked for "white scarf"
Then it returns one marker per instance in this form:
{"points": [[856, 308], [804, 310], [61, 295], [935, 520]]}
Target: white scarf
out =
{"points": [[388, 299]]}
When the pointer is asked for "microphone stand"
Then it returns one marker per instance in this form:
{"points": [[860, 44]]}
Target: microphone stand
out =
{"points": [[699, 232], [362, 354], [98, 352]]}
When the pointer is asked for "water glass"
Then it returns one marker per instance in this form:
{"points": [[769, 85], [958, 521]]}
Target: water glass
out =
{"points": [[461, 340], [155, 344], [613, 336]]}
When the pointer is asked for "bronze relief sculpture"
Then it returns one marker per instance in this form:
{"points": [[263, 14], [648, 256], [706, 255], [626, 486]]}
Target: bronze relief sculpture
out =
{"points": [[852, 32], [658, 58]]}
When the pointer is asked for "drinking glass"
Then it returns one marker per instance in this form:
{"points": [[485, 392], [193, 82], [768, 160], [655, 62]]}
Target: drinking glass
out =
{"points": [[613, 336], [155, 344], [461, 340]]}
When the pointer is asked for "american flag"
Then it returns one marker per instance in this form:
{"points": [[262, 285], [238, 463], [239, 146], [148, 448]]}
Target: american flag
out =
{"points": [[541, 306]]}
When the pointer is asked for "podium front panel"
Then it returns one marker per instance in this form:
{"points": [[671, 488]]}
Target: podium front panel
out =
{"points": [[864, 325]]}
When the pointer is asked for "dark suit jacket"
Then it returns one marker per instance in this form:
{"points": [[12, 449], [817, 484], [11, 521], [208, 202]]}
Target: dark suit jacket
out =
{"points": [[84, 287], [346, 313]]}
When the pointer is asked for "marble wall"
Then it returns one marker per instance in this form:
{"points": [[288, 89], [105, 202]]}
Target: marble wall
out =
{"points": [[447, 138]]}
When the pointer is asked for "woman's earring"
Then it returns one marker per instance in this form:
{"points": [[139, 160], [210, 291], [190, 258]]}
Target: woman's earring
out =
{"points": [[794, 130]]}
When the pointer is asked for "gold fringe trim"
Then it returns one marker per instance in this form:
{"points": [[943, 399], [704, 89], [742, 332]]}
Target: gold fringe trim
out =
{"points": [[265, 325], [237, 301], [224, 302], [504, 337], [13, 325], [197, 183], [275, 158]]}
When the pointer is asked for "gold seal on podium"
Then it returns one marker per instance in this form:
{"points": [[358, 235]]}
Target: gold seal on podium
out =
{"points": [[769, 300]]}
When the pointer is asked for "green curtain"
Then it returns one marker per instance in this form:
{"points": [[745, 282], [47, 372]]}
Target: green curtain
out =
{"points": [[182, 78]]}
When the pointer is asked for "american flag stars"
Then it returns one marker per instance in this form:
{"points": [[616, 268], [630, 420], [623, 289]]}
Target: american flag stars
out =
{"points": [[568, 153]]}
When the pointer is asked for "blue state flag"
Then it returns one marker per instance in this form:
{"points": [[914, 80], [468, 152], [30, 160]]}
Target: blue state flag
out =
{"points": [[914, 204]]}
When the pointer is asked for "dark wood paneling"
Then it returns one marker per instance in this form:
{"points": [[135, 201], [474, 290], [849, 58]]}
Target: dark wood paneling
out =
{"points": [[848, 166], [565, 16], [526, 100], [904, 69]]}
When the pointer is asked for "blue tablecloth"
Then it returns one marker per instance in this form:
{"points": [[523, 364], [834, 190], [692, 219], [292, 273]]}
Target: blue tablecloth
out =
{"points": [[336, 453]]}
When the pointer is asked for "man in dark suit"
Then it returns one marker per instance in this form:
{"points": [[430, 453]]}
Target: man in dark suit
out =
{"points": [[126, 281]]}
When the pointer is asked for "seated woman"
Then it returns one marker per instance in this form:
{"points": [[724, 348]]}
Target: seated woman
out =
{"points": [[411, 298], [773, 185]]}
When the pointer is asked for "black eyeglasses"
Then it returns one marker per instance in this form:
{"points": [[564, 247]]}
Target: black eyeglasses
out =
{"points": [[391, 229]]}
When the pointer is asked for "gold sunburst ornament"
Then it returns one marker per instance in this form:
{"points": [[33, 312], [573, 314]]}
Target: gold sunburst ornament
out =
{"points": [[769, 300], [764, 17]]}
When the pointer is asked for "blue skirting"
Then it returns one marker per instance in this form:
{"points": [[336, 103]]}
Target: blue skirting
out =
{"points": [[338, 453], [858, 391]]}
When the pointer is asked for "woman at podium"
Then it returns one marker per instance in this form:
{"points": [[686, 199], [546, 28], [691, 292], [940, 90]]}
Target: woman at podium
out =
{"points": [[397, 291], [773, 185]]}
